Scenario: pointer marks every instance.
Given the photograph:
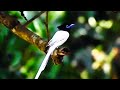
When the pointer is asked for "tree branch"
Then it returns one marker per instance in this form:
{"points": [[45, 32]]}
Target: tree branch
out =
{"points": [[46, 24], [36, 16], [14, 25]]}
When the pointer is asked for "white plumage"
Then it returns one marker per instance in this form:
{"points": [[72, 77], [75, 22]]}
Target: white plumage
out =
{"points": [[58, 39]]}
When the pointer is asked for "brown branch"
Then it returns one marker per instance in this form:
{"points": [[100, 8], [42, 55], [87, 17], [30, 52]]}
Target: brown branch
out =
{"points": [[29, 36], [14, 25]]}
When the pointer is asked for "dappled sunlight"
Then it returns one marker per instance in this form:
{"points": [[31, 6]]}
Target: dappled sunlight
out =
{"points": [[106, 24], [81, 19], [92, 22], [80, 32], [84, 75], [98, 55], [23, 70]]}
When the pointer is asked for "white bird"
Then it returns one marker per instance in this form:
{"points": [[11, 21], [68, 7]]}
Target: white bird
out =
{"points": [[58, 39]]}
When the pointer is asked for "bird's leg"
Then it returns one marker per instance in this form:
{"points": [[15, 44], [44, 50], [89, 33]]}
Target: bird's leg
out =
{"points": [[59, 58], [56, 61]]}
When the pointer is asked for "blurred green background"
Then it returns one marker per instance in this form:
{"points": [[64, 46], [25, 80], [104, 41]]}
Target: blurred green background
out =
{"points": [[94, 43]]}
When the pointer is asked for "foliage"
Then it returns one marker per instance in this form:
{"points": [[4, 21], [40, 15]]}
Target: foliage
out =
{"points": [[94, 43]]}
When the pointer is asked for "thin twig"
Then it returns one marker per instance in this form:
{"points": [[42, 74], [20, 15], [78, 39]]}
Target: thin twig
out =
{"points": [[48, 33], [23, 15], [36, 16], [46, 24]]}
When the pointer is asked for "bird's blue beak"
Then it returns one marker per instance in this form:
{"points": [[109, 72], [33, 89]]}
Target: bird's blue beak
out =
{"points": [[70, 26]]}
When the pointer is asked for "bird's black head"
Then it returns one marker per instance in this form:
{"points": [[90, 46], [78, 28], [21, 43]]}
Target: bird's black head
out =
{"points": [[65, 27]]}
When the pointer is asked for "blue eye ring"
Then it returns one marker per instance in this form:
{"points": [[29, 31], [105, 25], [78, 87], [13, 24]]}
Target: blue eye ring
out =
{"points": [[69, 26]]}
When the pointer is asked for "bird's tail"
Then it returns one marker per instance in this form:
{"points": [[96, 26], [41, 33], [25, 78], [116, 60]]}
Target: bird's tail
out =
{"points": [[44, 63]]}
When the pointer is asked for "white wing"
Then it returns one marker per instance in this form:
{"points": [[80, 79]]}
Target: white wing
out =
{"points": [[59, 38]]}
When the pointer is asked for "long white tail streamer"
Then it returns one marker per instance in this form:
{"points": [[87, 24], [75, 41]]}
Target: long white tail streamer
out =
{"points": [[44, 63]]}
